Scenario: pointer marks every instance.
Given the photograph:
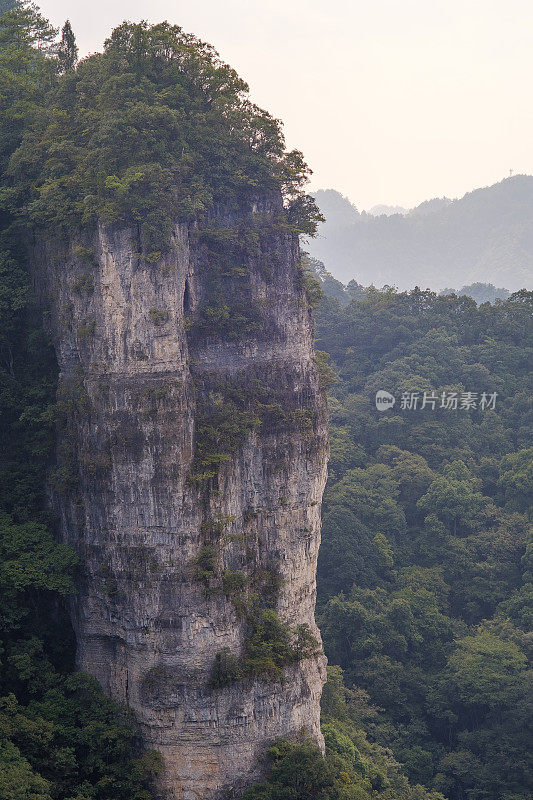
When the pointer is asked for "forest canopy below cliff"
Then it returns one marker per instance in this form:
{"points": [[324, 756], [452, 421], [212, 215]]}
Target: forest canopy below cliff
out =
{"points": [[425, 574]]}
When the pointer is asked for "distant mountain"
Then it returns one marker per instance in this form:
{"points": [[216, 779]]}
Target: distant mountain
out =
{"points": [[481, 292], [485, 237], [429, 206], [387, 211], [336, 208]]}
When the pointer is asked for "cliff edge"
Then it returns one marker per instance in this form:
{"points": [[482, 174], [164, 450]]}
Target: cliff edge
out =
{"points": [[191, 464]]}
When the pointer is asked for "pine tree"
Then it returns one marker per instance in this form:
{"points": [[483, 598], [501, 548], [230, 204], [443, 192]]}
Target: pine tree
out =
{"points": [[68, 49]]}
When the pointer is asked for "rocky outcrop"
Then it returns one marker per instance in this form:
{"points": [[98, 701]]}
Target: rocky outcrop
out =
{"points": [[152, 472]]}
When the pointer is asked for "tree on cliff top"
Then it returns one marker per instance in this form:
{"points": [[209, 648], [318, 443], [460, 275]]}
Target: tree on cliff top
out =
{"points": [[156, 128]]}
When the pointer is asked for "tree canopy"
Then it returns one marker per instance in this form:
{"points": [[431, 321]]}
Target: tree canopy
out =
{"points": [[153, 130], [424, 578]]}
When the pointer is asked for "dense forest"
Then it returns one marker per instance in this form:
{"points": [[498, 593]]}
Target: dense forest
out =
{"points": [[425, 582], [423, 574], [483, 236]]}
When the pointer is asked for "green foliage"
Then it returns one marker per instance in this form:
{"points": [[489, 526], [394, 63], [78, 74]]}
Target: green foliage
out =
{"points": [[67, 53], [426, 568], [85, 255], [31, 562], [221, 428], [298, 771], [516, 480], [59, 736], [204, 564], [226, 670], [156, 128], [269, 646], [229, 412], [354, 768], [425, 580], [229, 310], [486, 669], [233, 582], [71, 742], [313, 289], [481, 292], [326, 375], [328, 284], [366, 768]]}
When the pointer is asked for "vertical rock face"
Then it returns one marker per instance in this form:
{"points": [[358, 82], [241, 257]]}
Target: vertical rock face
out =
{"points": [[149, 361]]}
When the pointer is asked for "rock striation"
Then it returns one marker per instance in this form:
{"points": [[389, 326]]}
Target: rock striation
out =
{"points": [[151, 351]]}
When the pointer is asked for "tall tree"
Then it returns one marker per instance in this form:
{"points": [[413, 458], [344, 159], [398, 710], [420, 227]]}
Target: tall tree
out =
{"points": [[68, 49]]}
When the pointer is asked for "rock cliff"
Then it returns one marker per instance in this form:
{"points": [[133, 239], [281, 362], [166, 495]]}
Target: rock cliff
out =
{"points": [[191, 465]]}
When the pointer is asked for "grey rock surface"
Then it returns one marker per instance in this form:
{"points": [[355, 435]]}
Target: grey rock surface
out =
{"points": [[133, 369]]}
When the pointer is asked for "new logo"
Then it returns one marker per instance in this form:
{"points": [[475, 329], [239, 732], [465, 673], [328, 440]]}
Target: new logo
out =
{"points": [[384, 400]]}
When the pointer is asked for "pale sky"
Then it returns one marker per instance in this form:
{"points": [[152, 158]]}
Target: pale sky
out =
{"points": [[391, 101]]}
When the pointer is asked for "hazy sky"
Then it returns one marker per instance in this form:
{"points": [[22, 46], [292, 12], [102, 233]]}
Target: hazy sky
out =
{"points": [[391, 101]]}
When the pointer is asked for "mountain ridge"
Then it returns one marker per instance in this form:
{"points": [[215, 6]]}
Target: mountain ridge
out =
{"points": [[485, 236]]}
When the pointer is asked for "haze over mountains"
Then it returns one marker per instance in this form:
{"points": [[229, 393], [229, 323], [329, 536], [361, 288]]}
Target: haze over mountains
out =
{"points": [[486, 236]]}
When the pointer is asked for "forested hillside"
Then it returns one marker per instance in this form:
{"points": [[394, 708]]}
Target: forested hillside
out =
{"points": [[425, 572], [484, 236]]}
